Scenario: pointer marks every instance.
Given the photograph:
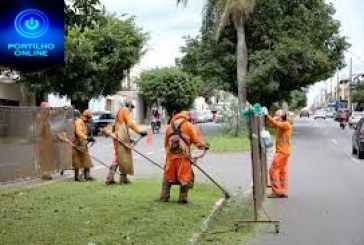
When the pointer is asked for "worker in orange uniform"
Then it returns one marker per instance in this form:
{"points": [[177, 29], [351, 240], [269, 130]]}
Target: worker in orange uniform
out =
{"points": [[80, 156], [123, 155], [180, 134], [278, 171]]}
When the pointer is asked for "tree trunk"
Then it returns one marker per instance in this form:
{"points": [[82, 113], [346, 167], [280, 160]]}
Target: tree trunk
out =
{"points": [[242, 65]]}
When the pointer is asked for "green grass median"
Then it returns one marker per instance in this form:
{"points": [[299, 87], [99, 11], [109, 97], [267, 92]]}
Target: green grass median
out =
{"points": [[227, 142], [93, 213]]}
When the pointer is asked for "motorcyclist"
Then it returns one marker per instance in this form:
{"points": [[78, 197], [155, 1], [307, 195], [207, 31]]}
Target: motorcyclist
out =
{"points": [[343, 118], [156, 120]]}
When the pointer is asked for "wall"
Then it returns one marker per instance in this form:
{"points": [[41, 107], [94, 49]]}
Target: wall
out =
{"points": [[16, 92]]}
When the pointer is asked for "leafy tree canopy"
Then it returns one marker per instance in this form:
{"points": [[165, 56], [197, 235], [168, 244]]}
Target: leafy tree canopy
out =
{"points": [[292, 44], [95, 59], [358, 93], [172, 87]]}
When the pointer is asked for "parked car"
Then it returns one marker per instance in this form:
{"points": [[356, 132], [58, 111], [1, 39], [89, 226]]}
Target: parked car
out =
{"points": [[355, 117], [319, 114], [201, 117], [329, 114], [358, 139], [100, 120], [209, 115], [305, 113]]}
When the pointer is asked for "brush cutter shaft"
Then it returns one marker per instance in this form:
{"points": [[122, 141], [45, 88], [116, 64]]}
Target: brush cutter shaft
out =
{"points": [[132, 148]]}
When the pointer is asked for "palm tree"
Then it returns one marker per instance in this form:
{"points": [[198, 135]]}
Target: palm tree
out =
{"points": [[238, 11]]}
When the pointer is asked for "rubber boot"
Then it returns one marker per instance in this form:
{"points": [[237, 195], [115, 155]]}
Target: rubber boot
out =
{"points": [[166, 190], [110, 176], [183, 193], [123, 179], [87, 175], [77, 175]]}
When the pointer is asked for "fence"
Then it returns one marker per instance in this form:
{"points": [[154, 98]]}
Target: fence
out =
{"points": [[29, 146]]}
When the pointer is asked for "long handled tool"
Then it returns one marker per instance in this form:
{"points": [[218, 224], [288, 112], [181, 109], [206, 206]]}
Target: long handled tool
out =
{"points": [[112, 135], [63, 137], [194, 163], [193, 160]]}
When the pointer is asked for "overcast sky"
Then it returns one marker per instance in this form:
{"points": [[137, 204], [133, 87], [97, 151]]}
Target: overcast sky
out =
{"points": [[167, 24]]}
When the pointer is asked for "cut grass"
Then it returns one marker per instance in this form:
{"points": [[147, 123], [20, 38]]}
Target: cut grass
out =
{"points": [[222, 230], [227, 142], [92, 213]]}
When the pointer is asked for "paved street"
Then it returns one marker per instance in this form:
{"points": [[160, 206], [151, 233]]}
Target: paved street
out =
{"points": [[325, 204]]}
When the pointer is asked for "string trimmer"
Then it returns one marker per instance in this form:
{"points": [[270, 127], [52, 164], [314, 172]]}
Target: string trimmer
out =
{"points": [[112, 135], [194, 159]]}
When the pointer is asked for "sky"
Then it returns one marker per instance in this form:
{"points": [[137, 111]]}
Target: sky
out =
{"points": [[350, 14], [167, 23]]}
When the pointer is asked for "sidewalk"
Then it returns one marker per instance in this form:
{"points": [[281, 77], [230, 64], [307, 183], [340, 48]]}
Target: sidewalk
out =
{"points": [[231, 170]]}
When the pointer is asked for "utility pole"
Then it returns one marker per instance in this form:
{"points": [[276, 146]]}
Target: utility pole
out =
{"points": [[331, 90], [350, 83]]}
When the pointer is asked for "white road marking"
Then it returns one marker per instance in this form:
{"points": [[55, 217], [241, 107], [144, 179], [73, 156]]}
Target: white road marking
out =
{"points": [[334, 141], [352, 158]]}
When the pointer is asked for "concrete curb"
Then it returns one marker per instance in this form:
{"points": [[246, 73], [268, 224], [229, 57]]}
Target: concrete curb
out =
{"points": [[221, 203], [218, 206]]}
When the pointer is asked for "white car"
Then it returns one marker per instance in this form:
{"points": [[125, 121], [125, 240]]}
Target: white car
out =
{"points": [[355, 117], [209, 115], [329, 114], [319, 114]]}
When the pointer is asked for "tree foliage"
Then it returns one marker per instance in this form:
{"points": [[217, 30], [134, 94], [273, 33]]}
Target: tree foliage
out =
{"points": [[173, 88], [298, 99], [84, 13], [358, 93], [292, 44], [95, 59]]}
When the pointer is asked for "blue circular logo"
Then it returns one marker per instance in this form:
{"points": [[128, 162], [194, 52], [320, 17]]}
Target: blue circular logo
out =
{"points": [[31, 23]]}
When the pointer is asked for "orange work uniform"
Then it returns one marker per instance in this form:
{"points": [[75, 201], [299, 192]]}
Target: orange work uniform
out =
{"points": [[123, 155], [278, 171], [81, 159], [178, 167]]}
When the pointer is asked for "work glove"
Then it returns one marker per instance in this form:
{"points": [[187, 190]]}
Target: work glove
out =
{"points": [[91, 139], [143, 133], [207, 146]]}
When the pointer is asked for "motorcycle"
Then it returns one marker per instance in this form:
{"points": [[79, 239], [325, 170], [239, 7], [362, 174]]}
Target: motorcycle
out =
{"points": [[343, 124], [156, 125]]}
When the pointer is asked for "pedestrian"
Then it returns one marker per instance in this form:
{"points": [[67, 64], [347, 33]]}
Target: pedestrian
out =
{"points": [[80, 156], [122, 153], [278, 171], [180, 134]]}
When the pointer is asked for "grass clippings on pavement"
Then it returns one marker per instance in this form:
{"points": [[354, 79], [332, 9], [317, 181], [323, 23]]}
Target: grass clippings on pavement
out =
{"points": [[227, 142], [222, 229], [93, 213]]}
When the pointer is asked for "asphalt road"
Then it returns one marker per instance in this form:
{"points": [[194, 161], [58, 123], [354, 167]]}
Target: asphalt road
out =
{"points": [[326, 196]]}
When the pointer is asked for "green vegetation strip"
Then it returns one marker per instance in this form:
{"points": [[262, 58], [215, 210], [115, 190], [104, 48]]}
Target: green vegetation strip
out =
{"points": [[227, 142], [93, 213]]}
